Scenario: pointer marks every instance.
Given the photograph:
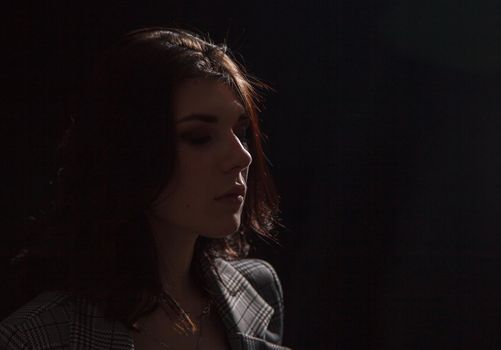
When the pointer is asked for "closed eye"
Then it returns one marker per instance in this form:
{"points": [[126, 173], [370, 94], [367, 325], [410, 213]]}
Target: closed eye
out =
{"points": [[203, 135], [196, 137]]}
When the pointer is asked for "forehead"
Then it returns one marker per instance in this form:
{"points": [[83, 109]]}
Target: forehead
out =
{"points": [[205, 96]]}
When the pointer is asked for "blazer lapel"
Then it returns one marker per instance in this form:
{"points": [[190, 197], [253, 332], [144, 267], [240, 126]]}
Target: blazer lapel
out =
{"points": [[241, 341], [244, 312]]}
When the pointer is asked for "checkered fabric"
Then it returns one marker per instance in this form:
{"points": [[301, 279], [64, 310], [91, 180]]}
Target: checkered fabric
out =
{"points": [[249, 300]]}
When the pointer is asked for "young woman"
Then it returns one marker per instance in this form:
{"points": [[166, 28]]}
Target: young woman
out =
{"points": [[163, 179]]}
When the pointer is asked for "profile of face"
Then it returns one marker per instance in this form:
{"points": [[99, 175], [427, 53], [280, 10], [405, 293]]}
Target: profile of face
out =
{"points": [[213, 160]]}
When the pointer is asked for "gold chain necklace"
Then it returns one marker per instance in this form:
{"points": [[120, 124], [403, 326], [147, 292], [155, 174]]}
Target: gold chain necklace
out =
{"points": [[167, 300]]}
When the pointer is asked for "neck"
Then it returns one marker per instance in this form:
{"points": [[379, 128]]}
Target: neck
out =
{"points": [[175, 251]]}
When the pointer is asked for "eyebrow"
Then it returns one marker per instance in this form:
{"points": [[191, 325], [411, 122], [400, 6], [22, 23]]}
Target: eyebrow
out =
{"points": [[207, 118]]}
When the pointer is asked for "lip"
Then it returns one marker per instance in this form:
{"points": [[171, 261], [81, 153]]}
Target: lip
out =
{"points": [[235, 191]]}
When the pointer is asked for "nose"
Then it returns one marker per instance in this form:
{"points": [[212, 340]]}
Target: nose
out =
{"points": [[237, 155]]}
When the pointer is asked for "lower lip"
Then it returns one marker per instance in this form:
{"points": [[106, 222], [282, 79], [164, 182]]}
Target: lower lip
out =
{"points": [[234, 200]]}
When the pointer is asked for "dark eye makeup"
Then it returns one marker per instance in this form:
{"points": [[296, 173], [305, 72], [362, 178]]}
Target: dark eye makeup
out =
{"points": [[196, 141], [200, 138]]}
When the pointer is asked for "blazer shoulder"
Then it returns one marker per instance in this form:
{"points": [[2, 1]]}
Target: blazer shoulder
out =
{"points": [[54, 303], [48, 311]]}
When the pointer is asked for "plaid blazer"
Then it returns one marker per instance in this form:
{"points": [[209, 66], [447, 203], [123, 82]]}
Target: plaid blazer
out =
{"points": [[251, 311]]}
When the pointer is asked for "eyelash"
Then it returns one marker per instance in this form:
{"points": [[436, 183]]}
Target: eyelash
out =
{"points": [[202, 140], [197, 140]]}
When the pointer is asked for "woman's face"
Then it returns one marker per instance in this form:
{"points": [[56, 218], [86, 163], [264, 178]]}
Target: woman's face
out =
{"points": [[213, 159]]}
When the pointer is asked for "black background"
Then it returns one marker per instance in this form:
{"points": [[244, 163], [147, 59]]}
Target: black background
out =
{"points": [[384, 136]]}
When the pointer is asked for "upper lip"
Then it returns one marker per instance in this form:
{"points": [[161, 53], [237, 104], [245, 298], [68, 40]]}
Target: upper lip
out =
{"points": [[238, 190]]}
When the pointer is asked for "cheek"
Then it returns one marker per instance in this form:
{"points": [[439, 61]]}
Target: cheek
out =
{"points": [[180, 201], [191, 189], [194, 185]]}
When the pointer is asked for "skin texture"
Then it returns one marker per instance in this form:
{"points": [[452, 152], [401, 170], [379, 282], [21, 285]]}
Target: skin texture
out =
{"points": [[212, 158], [208, 168]]}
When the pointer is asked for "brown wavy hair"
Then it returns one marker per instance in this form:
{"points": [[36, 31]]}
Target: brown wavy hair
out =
{"points": [[118, 154]]}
